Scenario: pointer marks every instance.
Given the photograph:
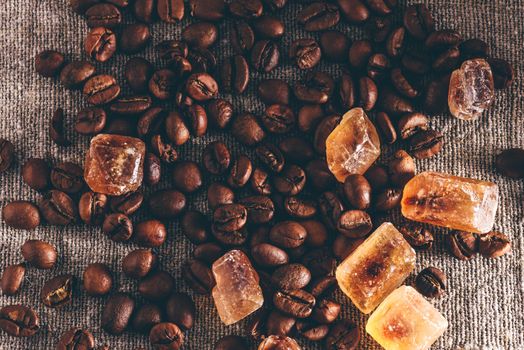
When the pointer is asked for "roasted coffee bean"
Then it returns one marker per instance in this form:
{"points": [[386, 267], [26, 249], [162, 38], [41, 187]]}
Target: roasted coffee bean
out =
{"points": [[145, 317], [403, 84], [103, 15], [198, 276], [343, 246], [166, 336], [510, 163], [462, 245], [117, 227], [208, 252], [412, 123], [265, 56], [418, 21], [296, 149], [170, 11], [57, 208], [312, 331], [247, 130], [387, 130], [195, 226], [278, 119], [330, 208], [200, 34], [317, 234], [378, 28], [270, 156], [318, 16], [343, 335], [21, 215], [442, 39], [56, 128], [291, 276], [67, 177], [119, 3], [388, 199], [117, 312], [156, 286], [240, 172], [48, 63], [242, 37], [131, 105], [326, 311], [260, 182], [92, 207], [219, 113], [231, 342], [150, 233], [76, 339], [278, 323], [219, 194], [39, 254], [162, 84], [431, 282], [502, 72], [201, 86], [234, 74], [90, 121], [300, 208], [144, 10], [268, 27], [474, 48], [278, 342], [176, 128], [494, 244], [216, 158], [230, 217], [260, 209], [305, 52], [354, 11], [426, 144], [334, 45], [211, 10], [101, 89], [58, 291], [274, 5], [288, 234], [138, 72], [128, 203], [401, 168], [347, 91], [167, 204], [354, 223], [197, 117], [247, 9], [290, 181], [97, 279], [395, 42], [274, 92], [320, 262], [394, 104], [187, 176], [100, 44], [19, 321], [139, 263], [309, 116], [180, 309], [377, 177], [416, 235], [74, 74], [317, 87], [360, 52], [378, 65], [358, 190], [268, 255], [323, 286], [297, 303], [368, 93], [447, 60], [323, 130], [201, 60], [12, 279], [436, 96]]}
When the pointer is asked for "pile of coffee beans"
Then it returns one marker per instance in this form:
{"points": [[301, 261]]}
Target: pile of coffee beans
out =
{"points": [[280, 203]]}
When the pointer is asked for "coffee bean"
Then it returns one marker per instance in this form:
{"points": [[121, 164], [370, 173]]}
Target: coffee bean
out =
{"points": [[343, 335], [117, 312], [117, 227], [312, 331], [208, 252], [247, 9], [210, 10], [166, 336], [97, 279], [270, 156], [21, 215], [300, 208], [347, 91], [170, 11], [231, 342], [354, 223], [442, 39], [330, 208], [268, 255], [201, 87], [58, 291], [74, 74], [57, 208], [269, 27], [48, 63], [187, 176], [360, 52], [378, 65], [81, 6], [131, 105], [39, 254], [334, 45], [290, 181], [234, 74], [326, 311], [92, 207], [417, 236], [418, 21], [230, 217], [494, 244], [12, 279], [403, 84], [247, 130], [145, 317], [401, 168], [242, 37], [103, 15], [305, 52], [180, 309], [200, 34], [436, 96], [502, 72], [201, 60], [387, 130], [278, 342], [274, 92], [510, 163], [230, 238], [320, 262], [216, 158], [139, 263], [462, 245], [176, 128], [291, 276], [56, 128], [7, 154], [167, 204], [412, 123], [323, 286], [431, 282], [447, 60], [219, 194], [100, 44], [195, 226], [162, 84], [278, 119], [343, 246], [265, 56], [101, 89], [260, 209], [198, 276], [318, 16], [127, 204], [368, 93], [90, 121], [19, 321], [357, 190], [354, 11], [67, 177], [220, 113], [426, 144], [156, 286], [296, 149], [297, 303], [309, 116], [76, 338], [150, 233], [278, 323], [260, 182], [317, 234], [378, 28], [138, 72], [415, 62], [474, 48], [388, 199], [316, 87], [288, 234]]}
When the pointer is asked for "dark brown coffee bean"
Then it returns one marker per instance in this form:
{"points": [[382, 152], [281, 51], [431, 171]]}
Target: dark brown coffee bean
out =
{"points": [[150, 233], [323, 286], [368, 93], [131, 105], [378, 65], [309, 116], [103, 15], [462, 245], [278, 119], [347, 91], [81, 6], [195, 226], [145, 317], [267, 255], [502, 72], [67, 177], [300, 208], [230, 238], [117, 312], [166, 336], [101, 89], [231, 342], [240, 172], [97, 279], [260, 182], [278, 323], [334, 45], [56, 128], [431, 282], [216, 158], [57, 208], [296, 149], [256, 327], [290, 181], [403, 83], [120, 126], [162, 84], [474, 48], [326, 311], [268, 27], [208, 252], [387, 130], [412, 123], [388, 199], [278, 342], [330, 208], [180, 309], [417, 236], [317, 234], [274, 92], [76, 339], [7, 154], [447, 60], [117, 227], [358, 190], [201, 87], [74, 74], [198, 276], [92, 207], [12, 279], [305, 52], [494, 244], [426, 144], [288, 234], [201, 60], [200, 34], [127, 204], [19, 321], [170, 11], [418, 21], [270, 156], [100, 44], [510, 162], [344, 246], [247, 9], [230, 217], [311, 330], [90, 121], [219, 112], [394, 104], [144, 10], [138, 72], [167, 204], [318, 16], [401, 168], [21, 215], [395, 42], [354, 223], [324, 128], [436, 96], [39, 254], [234, 74], [343, 335], [247, 130], [219, 194], [57, 291], [187, 176], [156, 286], [211, 10], [354, 11], [316, 87], [320, 262], [265, 56], [260, 209], [297, 303], [176, 128], [48, 63], [443, 39], [359, 53], [242, 37], [139, 263]]}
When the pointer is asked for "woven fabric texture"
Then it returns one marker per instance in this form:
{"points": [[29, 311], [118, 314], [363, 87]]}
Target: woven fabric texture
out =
{"points": [[485, 301]]}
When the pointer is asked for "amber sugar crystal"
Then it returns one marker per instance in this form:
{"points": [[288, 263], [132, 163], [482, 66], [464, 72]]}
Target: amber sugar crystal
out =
{"points": [[114, 164], [406, 321], [451, 201], [353, 146]]}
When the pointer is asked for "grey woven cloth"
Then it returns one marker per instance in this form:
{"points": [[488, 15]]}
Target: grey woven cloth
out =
{"points": [[485, 300]]}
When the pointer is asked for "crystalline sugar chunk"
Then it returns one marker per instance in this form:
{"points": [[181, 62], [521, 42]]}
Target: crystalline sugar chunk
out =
{"points": [[114, 164], [471, 89], [237, 292], [353, 146], [455, 202], [376, 267], [406, 321]]}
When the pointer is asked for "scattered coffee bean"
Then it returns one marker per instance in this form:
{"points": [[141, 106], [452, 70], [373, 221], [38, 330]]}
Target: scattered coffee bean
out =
{"points": [[19, 321], [97, 279], [354, 223], [494, 244], [21, 215], [318, 16], [291, 277], [92, 208], [166, 336], [100, 44], [117, 312], [57, 208], [462, 245], [170, 11], [118, 227], [343, 335], [431, 282], [200, 34], [48, 63], [145, 317], [76, 73], [195, 226], [139, 263], [56, 128], [265, 56], [180, 309], [416, 235], [150, 233], [101, 89], [58, 291], [76, 338], [12, 279], [247, 130], [39, 254], [198, 276], [187, 176], [288, 234], [502, 72], [208, 252], [156, 286], [297, 303], [426, 144]]}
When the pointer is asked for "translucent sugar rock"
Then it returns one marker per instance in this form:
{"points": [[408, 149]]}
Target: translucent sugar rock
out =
{"points": [[451, 201], [376, 267], [114, 164], [237, 293], [353, 146], [406, 321], [471, 89]]}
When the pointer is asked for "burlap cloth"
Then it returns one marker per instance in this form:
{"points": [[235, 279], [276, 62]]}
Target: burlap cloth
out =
{"points": [[485, 300]]}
